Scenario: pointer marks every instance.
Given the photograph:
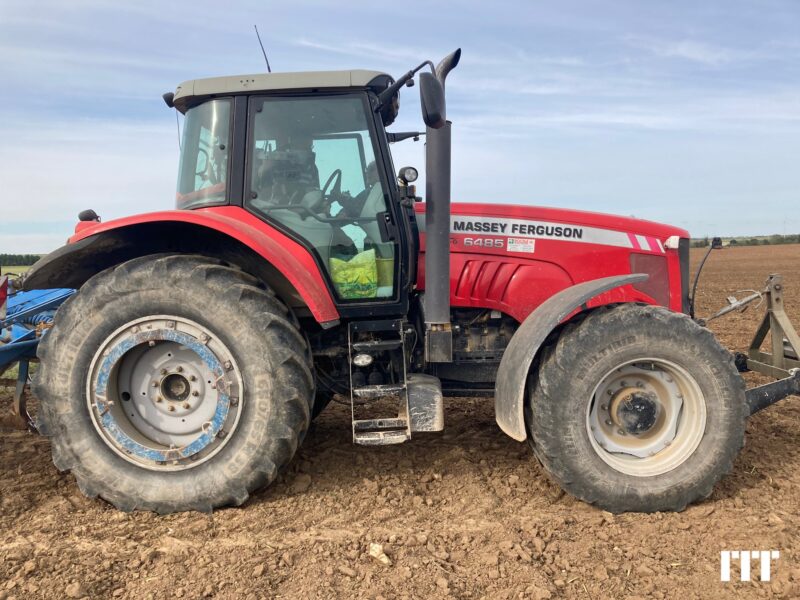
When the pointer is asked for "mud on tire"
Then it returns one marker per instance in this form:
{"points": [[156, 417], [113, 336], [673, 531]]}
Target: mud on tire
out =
{"points": [[262, 337], [561, 400]]}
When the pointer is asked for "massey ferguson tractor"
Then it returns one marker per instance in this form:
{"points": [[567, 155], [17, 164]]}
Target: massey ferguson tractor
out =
{"points": [[300, 266]]}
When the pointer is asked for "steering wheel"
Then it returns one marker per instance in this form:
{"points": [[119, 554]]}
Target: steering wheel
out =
{"points": [[337, 187]]}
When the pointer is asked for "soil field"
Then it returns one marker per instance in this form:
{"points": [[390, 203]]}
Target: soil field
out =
{"points": [[465, 514]]}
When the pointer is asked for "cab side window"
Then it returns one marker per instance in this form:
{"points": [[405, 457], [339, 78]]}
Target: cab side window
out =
{"points": [[205, 145]]}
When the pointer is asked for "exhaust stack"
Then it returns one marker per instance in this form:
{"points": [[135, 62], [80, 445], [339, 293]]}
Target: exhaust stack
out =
{"points": [[438, 332]]}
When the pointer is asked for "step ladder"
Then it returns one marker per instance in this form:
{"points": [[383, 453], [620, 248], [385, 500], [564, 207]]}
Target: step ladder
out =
{"points": [[416, 399]]}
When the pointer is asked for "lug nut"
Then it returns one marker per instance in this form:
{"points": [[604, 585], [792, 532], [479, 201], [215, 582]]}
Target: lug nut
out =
{"points": [[621, 431], [151, 343], [604, 407], [155, 384], [179, 369], [159, 399], [195, 393], [623, 383], [163, 371], [608, 422], [171, 408], [186, 405], [192, 378]]}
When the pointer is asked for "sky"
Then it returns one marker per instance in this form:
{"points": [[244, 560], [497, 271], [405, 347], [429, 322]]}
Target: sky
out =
{"points": [[682, 112]]}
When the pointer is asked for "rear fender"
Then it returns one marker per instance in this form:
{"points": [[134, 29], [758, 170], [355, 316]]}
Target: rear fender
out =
{"points": [[512, 375], [228, 233]]}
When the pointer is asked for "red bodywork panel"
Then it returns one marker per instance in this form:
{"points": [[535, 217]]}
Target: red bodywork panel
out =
{"points": [[506, 258], [513, 258], [286, 255]]}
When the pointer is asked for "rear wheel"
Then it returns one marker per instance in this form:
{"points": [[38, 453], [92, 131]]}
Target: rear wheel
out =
{"points": [[636, 409], [172, 383]]}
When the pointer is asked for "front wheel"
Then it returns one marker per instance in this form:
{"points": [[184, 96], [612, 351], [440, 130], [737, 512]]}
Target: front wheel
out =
{"points": [[172, 383], [636, 408]]}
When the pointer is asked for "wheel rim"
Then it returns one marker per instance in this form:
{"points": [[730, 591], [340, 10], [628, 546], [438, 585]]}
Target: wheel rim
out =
{"points": [[646, 417], [164, 393]]}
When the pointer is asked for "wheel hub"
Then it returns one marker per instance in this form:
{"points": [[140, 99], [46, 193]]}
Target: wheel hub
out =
{"points": [[635, 411], [175, 387], [646, 417], [164, 393]]}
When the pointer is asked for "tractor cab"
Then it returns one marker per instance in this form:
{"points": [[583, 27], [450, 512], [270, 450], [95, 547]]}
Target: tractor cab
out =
{"points": [[307, 153]]}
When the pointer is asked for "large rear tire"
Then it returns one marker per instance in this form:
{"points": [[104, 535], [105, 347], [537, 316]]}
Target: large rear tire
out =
{"points": [[636, 408], [172, 383]]}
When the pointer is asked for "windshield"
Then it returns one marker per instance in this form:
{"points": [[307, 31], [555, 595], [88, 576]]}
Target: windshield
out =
{"points": [[203, 171]]}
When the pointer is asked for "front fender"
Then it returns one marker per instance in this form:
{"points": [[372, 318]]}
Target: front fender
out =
{"points": [[97, 246], [512, 375]]}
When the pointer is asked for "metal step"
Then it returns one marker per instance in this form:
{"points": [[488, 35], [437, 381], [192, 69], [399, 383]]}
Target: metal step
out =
{"points": [[379, 424], [371, 392], [380, 438], [379, 432]]}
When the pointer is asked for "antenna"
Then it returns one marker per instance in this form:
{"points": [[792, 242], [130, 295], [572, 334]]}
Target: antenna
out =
{"points": [[178, 125], [269, 69]]}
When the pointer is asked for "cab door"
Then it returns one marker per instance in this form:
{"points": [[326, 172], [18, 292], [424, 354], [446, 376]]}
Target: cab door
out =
{"points": [[316, 169]]}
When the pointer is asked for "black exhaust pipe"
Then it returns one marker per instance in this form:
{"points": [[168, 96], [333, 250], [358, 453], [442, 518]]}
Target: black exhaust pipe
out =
{"points": [[438, 332]]}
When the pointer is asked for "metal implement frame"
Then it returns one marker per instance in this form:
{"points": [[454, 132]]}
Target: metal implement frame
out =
{"points": [[785, 343], [782, 363], [18, 343]]}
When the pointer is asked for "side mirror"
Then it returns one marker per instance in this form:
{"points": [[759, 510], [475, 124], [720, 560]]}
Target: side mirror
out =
{"points": [[431, 95]]}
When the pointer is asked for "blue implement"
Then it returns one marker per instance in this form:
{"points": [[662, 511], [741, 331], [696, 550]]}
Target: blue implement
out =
{"points": [[28, 316]]}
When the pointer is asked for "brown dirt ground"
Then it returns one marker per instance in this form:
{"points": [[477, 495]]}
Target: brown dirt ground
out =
{"points": [[468, 513]]}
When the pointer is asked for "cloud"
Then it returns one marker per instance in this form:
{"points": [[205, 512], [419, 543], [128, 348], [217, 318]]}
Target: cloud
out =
{"points": [[695, 51]]}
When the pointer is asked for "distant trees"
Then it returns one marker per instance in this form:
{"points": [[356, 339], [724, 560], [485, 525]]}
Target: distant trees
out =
{"points": [[768, 240], [18, 260]]}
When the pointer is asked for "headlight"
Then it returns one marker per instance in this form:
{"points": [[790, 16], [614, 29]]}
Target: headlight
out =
{"points": [[408, 175]]}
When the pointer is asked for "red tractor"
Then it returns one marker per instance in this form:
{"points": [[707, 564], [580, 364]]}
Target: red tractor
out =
{"points": [[300, 265]]}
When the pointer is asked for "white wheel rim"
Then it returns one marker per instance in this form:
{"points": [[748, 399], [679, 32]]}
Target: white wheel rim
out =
{"points": [[646, 417], [164, 393]]}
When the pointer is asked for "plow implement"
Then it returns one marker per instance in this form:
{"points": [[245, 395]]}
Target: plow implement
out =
{"points": [[24, 318], [781, 360]]}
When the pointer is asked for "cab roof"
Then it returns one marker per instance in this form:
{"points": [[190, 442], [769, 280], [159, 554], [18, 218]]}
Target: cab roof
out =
{"points": [[268, 82]]}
